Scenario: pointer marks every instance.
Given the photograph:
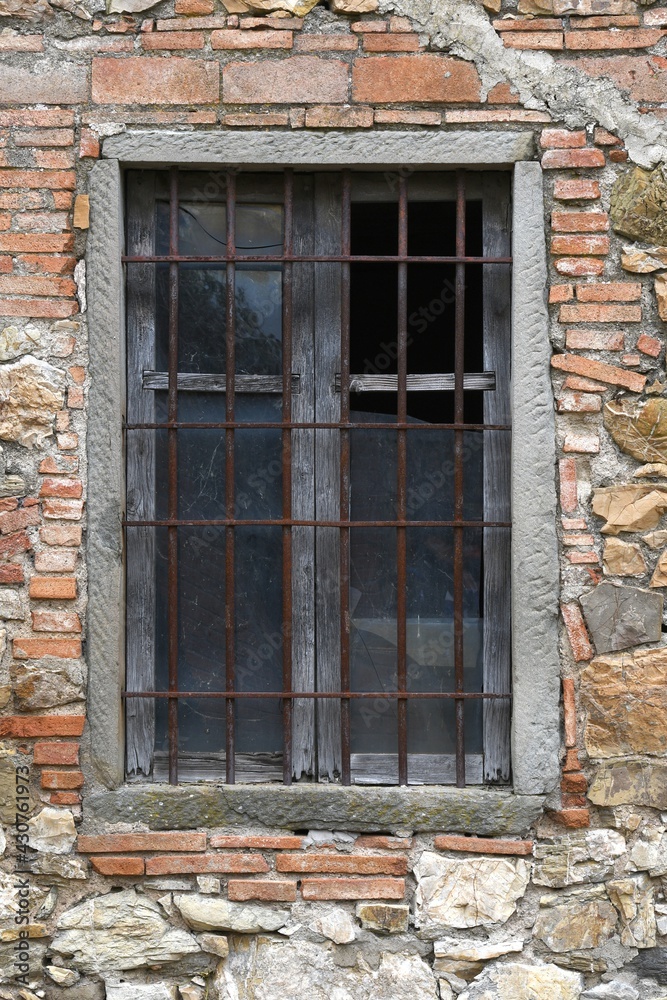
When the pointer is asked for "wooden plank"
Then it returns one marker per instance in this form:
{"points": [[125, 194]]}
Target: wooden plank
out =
{"points": [[303, 485], [250, 768], [140, 546], [423, 769], [327, 470], [422, 186], [480, 381], [497, 473], [205, 382]]}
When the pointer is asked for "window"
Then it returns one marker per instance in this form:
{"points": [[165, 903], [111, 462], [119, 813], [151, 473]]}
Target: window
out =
{"points": [[318, 452], [535, 685]]}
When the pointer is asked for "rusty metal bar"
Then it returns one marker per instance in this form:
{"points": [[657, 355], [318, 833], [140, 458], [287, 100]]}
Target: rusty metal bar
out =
{"points": [[402, 482], [287, 476], [314, 425], [312, 259], [172, 498], [346, 243], [346, 695], [459, 411], [295, 523], [230, 372]]}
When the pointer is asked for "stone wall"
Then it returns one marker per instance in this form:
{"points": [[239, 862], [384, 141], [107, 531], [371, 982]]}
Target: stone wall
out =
{"points": [[99, 898]]}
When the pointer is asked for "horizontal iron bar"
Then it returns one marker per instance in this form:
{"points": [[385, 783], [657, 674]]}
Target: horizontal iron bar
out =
{"points": [[206, 382], [445, 382], [386, 695], [294, 523], [309, 259], [311, 425]]}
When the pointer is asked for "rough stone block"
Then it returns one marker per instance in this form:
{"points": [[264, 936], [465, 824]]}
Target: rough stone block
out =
{"points": [[621, 617]]}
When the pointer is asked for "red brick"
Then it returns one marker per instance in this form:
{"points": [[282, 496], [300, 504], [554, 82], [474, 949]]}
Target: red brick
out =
{"points": [[591, 340], [649, 345], [11, 545], [56, 753], [420, 78], [587, 444], [55, 621], [642, 75], [75, 398], [561, 138], [146, 80], [400, 24], [579, 267], [333, 117], [345, 864], [278, 23], [231, 39], [21, 43], [579, 402], [386, 42], [62, 83], [561, 293], [8, 503], [45, 137], [52, 588], [528, 24], [495, 115], [29, 243], [595, 313], [383, 843], [278, 892], [201, 7], [37, 308], [562, 159], [126, 843], [35, 649], [582, 558], [603, 138], [17, 726], [36, 119], [64, 798], [50, 179], [569, 713], [641, 38], [579, 190], [192, 23], [15, 520], [261, 843], [295, 80], [605, 21], [41, 263], [173, 40], [574, 783], [483, 845], [62, 779], [408, 117], [66, 534], [574, 819], [570, 801], [571, 762], [595, 246], [11, 573], [618, 156], [118, 866], [579, 222], [611, 291], [252, 119], [89, 144], [54, 159], [68, 510], [199, 863], [502, 93], [550, 40], [361, 27], [568, 484], [326, 43], [576, 632], [63, 488], [46, 222], [353, 888]]}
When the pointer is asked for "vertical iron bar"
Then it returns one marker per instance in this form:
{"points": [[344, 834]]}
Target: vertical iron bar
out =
{"points": [[230, 372], [401, 485], [345, 479], [172, 500], [459, 410], [287, 476]]}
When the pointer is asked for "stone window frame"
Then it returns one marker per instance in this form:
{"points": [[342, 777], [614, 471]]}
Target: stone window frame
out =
{"points": [[535, 740]]}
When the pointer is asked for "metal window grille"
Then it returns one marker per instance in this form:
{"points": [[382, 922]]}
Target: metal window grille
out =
{"points": [[403, 383]]}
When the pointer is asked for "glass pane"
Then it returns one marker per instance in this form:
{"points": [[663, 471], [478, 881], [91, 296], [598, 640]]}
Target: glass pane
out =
{"points": [[258, 460], [258, 636], [372, 469], [373, 664]]}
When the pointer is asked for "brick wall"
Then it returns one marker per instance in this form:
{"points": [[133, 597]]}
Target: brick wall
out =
{"points": [[429, 915]]}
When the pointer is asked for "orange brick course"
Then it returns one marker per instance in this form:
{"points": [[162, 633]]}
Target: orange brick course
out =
{"points": [[125, 843], [341, 864], [205, 863], [483, 845]]}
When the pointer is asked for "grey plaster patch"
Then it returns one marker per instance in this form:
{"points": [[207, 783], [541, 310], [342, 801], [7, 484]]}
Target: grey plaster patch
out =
{"points": [[463, 28], [333, 807], [106, 478], [321, 149], [535, 573], [621, 617]]}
